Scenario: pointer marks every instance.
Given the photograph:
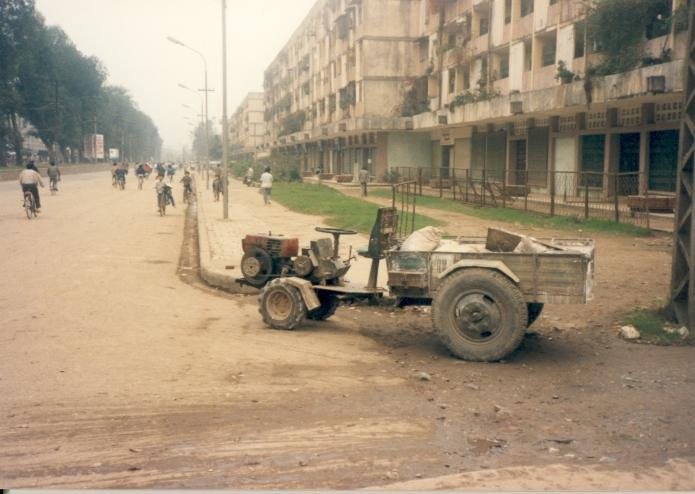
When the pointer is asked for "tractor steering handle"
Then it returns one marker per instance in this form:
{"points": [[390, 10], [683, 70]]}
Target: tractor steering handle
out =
{"points": [[335, 231]]}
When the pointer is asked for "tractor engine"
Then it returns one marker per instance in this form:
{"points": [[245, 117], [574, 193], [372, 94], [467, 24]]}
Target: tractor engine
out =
{"points": [[270, 256]]}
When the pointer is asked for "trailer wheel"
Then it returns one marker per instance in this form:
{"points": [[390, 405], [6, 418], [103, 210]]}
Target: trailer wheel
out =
{"points": [[329, 304], [479, 314], [281, 305], [533, 312]]}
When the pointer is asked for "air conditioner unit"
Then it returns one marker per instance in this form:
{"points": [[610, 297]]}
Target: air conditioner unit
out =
{"points": [[442, 119], [516, 107], [656, 83], [408, 124]]}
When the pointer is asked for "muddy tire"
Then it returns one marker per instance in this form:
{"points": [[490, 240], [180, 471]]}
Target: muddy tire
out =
{"points": [[281, 305], [533, 311], [329, 304], [479, 314]]}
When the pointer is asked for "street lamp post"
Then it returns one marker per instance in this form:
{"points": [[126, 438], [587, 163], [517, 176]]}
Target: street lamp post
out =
{"points": [[225, 197], [205, 147], [207, 132]]}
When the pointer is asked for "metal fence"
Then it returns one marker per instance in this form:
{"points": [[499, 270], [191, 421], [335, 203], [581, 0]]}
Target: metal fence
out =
{"points": [[619, 197]]}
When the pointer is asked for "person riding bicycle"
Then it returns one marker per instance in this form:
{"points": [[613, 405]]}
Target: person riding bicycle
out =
{"points": [[187, 181], [140, 170], [121, 172], [163, 189], [248, 178], [53, 173], [161, 171], [114, 167], [29, 180], [171, 171]]}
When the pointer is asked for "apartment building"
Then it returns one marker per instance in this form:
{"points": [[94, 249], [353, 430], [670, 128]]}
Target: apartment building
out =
{"points": [[247, 127], [492, 87], [333, 93]]}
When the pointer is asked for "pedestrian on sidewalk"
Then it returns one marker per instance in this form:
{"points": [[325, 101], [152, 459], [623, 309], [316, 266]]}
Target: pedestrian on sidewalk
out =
{"points": [[266, 184], [364, 178]]}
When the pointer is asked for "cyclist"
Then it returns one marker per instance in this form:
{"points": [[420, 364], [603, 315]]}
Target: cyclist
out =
{"points": [[114, 167], [248, 179], [187, 185], [30, 179], [161, 171], [163, 191], [171, 171], [141, 174], [121, 172], [53, 173]]}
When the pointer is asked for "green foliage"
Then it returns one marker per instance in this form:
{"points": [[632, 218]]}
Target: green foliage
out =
{"points": [[651, 323], [47, 81], [564, 74], [294, 122], [339, 210], [415, 100], [482, 93], [619, 29], [283, 166]]}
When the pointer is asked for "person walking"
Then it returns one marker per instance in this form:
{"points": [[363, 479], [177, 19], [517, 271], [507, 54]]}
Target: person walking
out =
{"points": [[364, 179], [30, 179], [53, 173], [266, 184]]}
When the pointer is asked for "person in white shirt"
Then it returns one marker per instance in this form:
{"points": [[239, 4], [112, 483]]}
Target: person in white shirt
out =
{"points": [[30, 179], [266, 184]]}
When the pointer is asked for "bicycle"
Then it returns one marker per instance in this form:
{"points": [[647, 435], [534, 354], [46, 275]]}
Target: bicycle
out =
{"points": [[162, 203], [54, 186], [121, 183], [186, 195], [141, 179], [29, 205]]}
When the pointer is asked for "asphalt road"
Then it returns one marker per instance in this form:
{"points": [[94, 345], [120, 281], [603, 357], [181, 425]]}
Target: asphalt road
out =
{"points": [[116, 372]]}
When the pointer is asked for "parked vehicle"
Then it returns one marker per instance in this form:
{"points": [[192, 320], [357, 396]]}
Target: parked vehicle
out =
{"points": [[484, 292]]}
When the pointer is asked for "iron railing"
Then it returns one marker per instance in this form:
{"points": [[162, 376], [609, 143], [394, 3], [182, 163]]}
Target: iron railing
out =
{"points": [[619, 197]]}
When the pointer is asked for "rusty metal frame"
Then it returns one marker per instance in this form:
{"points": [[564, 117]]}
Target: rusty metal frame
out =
{"points": [[403, 200], [682, 296]]}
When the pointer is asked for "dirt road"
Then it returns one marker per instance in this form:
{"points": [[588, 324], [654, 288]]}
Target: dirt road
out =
{"points": [[117, 372]]}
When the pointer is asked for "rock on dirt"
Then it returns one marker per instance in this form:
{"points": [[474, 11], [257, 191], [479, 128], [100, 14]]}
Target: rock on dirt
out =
{"points": [[424, 376], [629, 333]]}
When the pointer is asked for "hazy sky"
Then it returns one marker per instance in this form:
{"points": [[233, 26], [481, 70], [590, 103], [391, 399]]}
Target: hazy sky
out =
{"points": [[129, 36]]}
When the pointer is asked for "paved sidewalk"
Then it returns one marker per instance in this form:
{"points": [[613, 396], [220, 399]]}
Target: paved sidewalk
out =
{"points": [[220, 240]]}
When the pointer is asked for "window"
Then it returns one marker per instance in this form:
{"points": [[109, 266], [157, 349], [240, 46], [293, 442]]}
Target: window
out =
{"points": [[507, 11], [466, 78], [659, 15], [548, 54], [579, 32], [484, 25], [483, 68], [504, 66], [553, 2], [451, 40], [452, 80], [526, 7]]}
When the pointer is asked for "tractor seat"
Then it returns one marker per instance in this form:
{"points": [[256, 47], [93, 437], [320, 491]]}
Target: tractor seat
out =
{"points": [[322, 248]]}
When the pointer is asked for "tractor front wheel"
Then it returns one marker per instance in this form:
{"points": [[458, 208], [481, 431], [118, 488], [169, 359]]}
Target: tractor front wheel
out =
{"points": [[281, 305]]}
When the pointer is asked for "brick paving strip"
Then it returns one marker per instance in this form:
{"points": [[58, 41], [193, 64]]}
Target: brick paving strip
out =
{"points": [[220, 240]]}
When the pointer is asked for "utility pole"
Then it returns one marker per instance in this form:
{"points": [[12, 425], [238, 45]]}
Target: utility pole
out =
{"points": [[682, 297], [225, 184]]}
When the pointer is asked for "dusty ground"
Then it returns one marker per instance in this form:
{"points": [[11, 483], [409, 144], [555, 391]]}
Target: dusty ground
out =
{"points": [[117, 369]]}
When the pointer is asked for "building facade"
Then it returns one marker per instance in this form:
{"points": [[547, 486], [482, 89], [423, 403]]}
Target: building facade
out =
{"points": [[247, 127], [494, 88]]}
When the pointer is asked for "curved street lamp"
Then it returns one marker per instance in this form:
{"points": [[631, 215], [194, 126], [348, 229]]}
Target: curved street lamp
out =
{"points": [[206, 90]]}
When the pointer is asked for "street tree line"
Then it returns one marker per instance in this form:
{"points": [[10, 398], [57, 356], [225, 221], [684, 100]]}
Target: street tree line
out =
{"points": [[46, 81]]}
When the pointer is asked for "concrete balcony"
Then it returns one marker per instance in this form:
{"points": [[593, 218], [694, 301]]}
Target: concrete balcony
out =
{"points": [[606, 90], [522, 28]]}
